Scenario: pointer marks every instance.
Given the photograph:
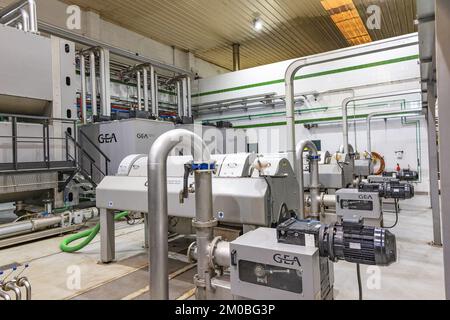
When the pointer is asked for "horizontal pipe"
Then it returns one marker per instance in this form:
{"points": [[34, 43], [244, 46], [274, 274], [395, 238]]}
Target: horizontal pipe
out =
{"points": [[80, 39], [20, 228]]}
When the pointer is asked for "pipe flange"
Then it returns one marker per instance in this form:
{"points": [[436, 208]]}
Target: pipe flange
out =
{"points": [[190, 251], [212, 249], [204, 225], [199, 282]]}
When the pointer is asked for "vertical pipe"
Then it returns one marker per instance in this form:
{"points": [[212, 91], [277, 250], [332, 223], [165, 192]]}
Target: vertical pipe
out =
{"points": [[14, 142], [138, 90], [204, 236], [314, 179], [236, 57], [157, 203], [156, 96], [189, 96], [145, 88], [180, 99], [93, 73], [33, 16], [185, 99], [154, 91], [83, 88], [104, 107], [25, 20]]}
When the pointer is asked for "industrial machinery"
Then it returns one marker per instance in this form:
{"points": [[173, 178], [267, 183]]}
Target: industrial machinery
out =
{"points": [[249, 191], [295, 261], [37, 112]]}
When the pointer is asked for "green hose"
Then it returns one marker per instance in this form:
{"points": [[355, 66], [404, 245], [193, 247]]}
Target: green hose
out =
{"points": [[88, 234]]}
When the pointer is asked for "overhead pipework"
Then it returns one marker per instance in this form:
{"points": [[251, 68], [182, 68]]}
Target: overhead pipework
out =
{"points": [[102, 56], [21, 15], [347, 102], [290, 74], [236, 57]]}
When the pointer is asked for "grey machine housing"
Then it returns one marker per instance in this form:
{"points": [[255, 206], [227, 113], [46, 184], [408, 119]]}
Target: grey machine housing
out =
{"points": [[264, 269]]}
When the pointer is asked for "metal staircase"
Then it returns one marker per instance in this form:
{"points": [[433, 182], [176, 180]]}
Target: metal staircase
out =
{"points": [[73, 163]]}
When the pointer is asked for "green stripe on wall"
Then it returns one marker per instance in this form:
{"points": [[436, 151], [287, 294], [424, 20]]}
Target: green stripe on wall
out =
{"points": [[312, 75], [305, 121]]}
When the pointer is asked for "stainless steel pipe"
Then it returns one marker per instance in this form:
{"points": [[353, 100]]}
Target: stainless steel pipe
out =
{"points": [[34, 225], [154, 91], [157, 203], [347, 101], [145, 88], [291, 71], [180, 99], [138, 90], [11, 286], [24, 283], [314, 179], [398, 113], [204, 234], [11, 12], [5, 296], [93, 74], [83, 88]]}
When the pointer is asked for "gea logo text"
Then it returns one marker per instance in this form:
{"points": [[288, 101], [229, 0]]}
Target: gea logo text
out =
{"points": [[143, 136], [107, 138], [286, 260], [365, 197]]}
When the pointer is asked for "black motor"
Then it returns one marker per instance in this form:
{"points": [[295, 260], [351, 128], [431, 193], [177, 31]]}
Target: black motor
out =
{"points": [[350, 240], [389, 190]]}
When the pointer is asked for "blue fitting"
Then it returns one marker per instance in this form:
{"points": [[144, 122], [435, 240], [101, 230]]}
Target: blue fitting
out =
{"points": [[314, 158], [203, 166]]}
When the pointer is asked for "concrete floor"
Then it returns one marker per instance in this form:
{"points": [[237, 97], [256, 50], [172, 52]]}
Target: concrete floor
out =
{"points": [[418, 274]]}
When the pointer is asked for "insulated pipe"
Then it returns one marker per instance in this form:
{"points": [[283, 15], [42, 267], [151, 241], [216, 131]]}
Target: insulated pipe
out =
{"points": [[83, 88], [154, 91], [139, 88], [347, 101], [23, 282], [93, 73], [291, 71], [400, 114], [145, 88], [19, 228], [157, 203], [314, 179]]}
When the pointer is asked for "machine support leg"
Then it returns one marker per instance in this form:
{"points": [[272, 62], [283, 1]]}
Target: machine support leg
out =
{"points": [[107, 236]]}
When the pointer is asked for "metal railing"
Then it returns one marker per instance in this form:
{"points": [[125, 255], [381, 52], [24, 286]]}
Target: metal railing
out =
{"points": [[45, 141]]}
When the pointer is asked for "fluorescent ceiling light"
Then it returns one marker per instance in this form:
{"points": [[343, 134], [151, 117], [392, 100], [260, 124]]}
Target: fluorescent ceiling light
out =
{"points": [[346, 17]]}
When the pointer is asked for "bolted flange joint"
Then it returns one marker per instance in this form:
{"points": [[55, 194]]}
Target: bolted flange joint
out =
{"points": [[204, 225]]}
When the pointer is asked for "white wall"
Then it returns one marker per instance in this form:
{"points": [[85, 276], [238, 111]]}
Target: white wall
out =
{"points": [[54, 12], [390, 70]]}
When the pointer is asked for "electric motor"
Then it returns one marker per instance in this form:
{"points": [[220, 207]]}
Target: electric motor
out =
{"points": [[389, 190], [349, 240]]}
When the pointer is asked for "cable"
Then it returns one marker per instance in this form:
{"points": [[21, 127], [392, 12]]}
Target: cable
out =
{"points": [[88, 234], [379, 158], [358, 272], [397, 215]]}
